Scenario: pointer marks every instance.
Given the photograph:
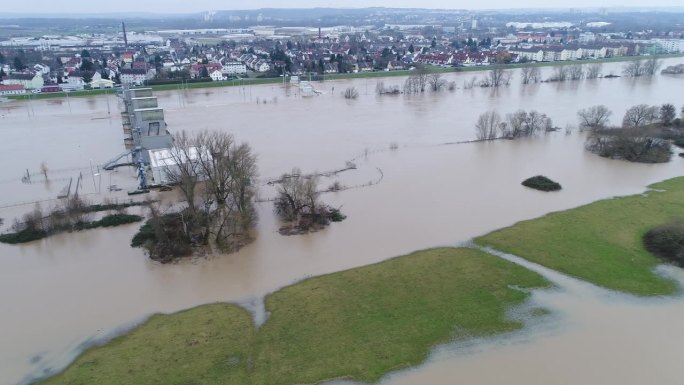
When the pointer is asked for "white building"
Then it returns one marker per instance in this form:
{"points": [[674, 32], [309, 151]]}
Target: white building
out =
{"points": [[670, 45], [234, 68], [216, 76], [163, 163]]}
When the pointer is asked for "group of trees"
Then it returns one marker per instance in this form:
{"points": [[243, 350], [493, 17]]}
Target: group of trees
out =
{"points": [[530, 74], [636, 68], [299, 205], [496, 77], [597, 118], [490, 126], [637, 140], [217, 178], [424, 79]]}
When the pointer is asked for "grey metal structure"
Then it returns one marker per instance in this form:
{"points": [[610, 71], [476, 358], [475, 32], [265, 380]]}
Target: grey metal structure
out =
{"points": [[144, 127]]}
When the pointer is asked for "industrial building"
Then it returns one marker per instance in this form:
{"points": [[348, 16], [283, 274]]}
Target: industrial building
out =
{"points": [[145, 131]]}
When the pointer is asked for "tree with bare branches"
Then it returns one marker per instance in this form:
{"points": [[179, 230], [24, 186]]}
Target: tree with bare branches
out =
{"points": [[640, 115], [497, 77], [530, 74], [488, 126], [436, 82], [418, 81], [593, 70], [594, 118], [576, 72]]}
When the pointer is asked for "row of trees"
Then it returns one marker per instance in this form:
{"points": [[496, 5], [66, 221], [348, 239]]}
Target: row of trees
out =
{"points": [[636, 68], [424, 79], [490, 126], [598, 117]]}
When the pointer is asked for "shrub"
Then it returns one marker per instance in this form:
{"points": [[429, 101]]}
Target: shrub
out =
{"points": [[541, 183], [667, 242], [24, 236], [164, 238], [679, 142], [109, 221]]}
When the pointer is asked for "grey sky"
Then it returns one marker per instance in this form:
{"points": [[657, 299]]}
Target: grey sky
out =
{"points": [[182, 6]]}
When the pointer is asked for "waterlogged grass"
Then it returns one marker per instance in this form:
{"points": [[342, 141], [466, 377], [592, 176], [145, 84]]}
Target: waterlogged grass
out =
{"points": [[357, 324], [206, 345], [600, 242]]}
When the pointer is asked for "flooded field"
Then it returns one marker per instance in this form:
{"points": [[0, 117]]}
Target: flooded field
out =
{"points": [[62, 292]]}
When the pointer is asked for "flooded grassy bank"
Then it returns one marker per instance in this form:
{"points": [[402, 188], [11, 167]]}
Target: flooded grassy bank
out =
{"points": [[356, 324]]}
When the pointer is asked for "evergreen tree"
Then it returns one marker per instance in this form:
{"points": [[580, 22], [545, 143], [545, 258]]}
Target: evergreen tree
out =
{"points": [[18, 64], [204, 73]]}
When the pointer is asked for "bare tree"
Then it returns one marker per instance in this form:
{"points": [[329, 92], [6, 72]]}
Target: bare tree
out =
{"points": [[594, 70], [522, 123], [351, 93], [594, 118], [487, 126], [668, 113], [530, 74], [633, 68], [636, 68], [436, 82], [380, 88], [470, 84], [297, 195], [560, 74], [418, 81], [640, 115], [497, 77], [184, 168], [44, 169], [652, 66], [576, 72], [230, 173]]}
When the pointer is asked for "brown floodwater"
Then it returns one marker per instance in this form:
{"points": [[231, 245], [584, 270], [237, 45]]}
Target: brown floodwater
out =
{"points": [[61, 293]]}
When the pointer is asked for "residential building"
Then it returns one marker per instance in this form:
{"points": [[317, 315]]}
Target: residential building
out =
{"points": [[28, 80], [12, 89]]}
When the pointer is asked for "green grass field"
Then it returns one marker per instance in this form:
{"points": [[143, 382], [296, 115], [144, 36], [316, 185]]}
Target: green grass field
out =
{"points": [[359, 324], [600, 242]]}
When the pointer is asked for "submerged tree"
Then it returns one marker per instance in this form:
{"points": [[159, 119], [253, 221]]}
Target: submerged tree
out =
{"points": [[497, 77], [530, 74], [488, 125], [523, 123], [418, 81], [668, 113], [593, 70], [640, 115], [594, 118]]}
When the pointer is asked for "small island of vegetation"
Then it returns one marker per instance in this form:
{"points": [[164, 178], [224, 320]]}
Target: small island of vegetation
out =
{"points": [[644, 136], [71, 214], [541, 183], [667, 241]]}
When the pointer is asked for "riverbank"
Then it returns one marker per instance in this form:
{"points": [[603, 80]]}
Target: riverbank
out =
{"points": [[363, 75], [357, 324], [600, 242]]}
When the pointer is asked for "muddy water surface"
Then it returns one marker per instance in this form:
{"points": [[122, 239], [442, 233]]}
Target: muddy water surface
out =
{"points": [[61, 292]]}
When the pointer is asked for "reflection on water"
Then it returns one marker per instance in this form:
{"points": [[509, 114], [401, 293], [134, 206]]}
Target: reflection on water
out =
{"points": [[57, 293]]}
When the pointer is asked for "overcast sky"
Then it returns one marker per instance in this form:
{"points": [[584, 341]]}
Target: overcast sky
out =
{"points": [[183, 6]]}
